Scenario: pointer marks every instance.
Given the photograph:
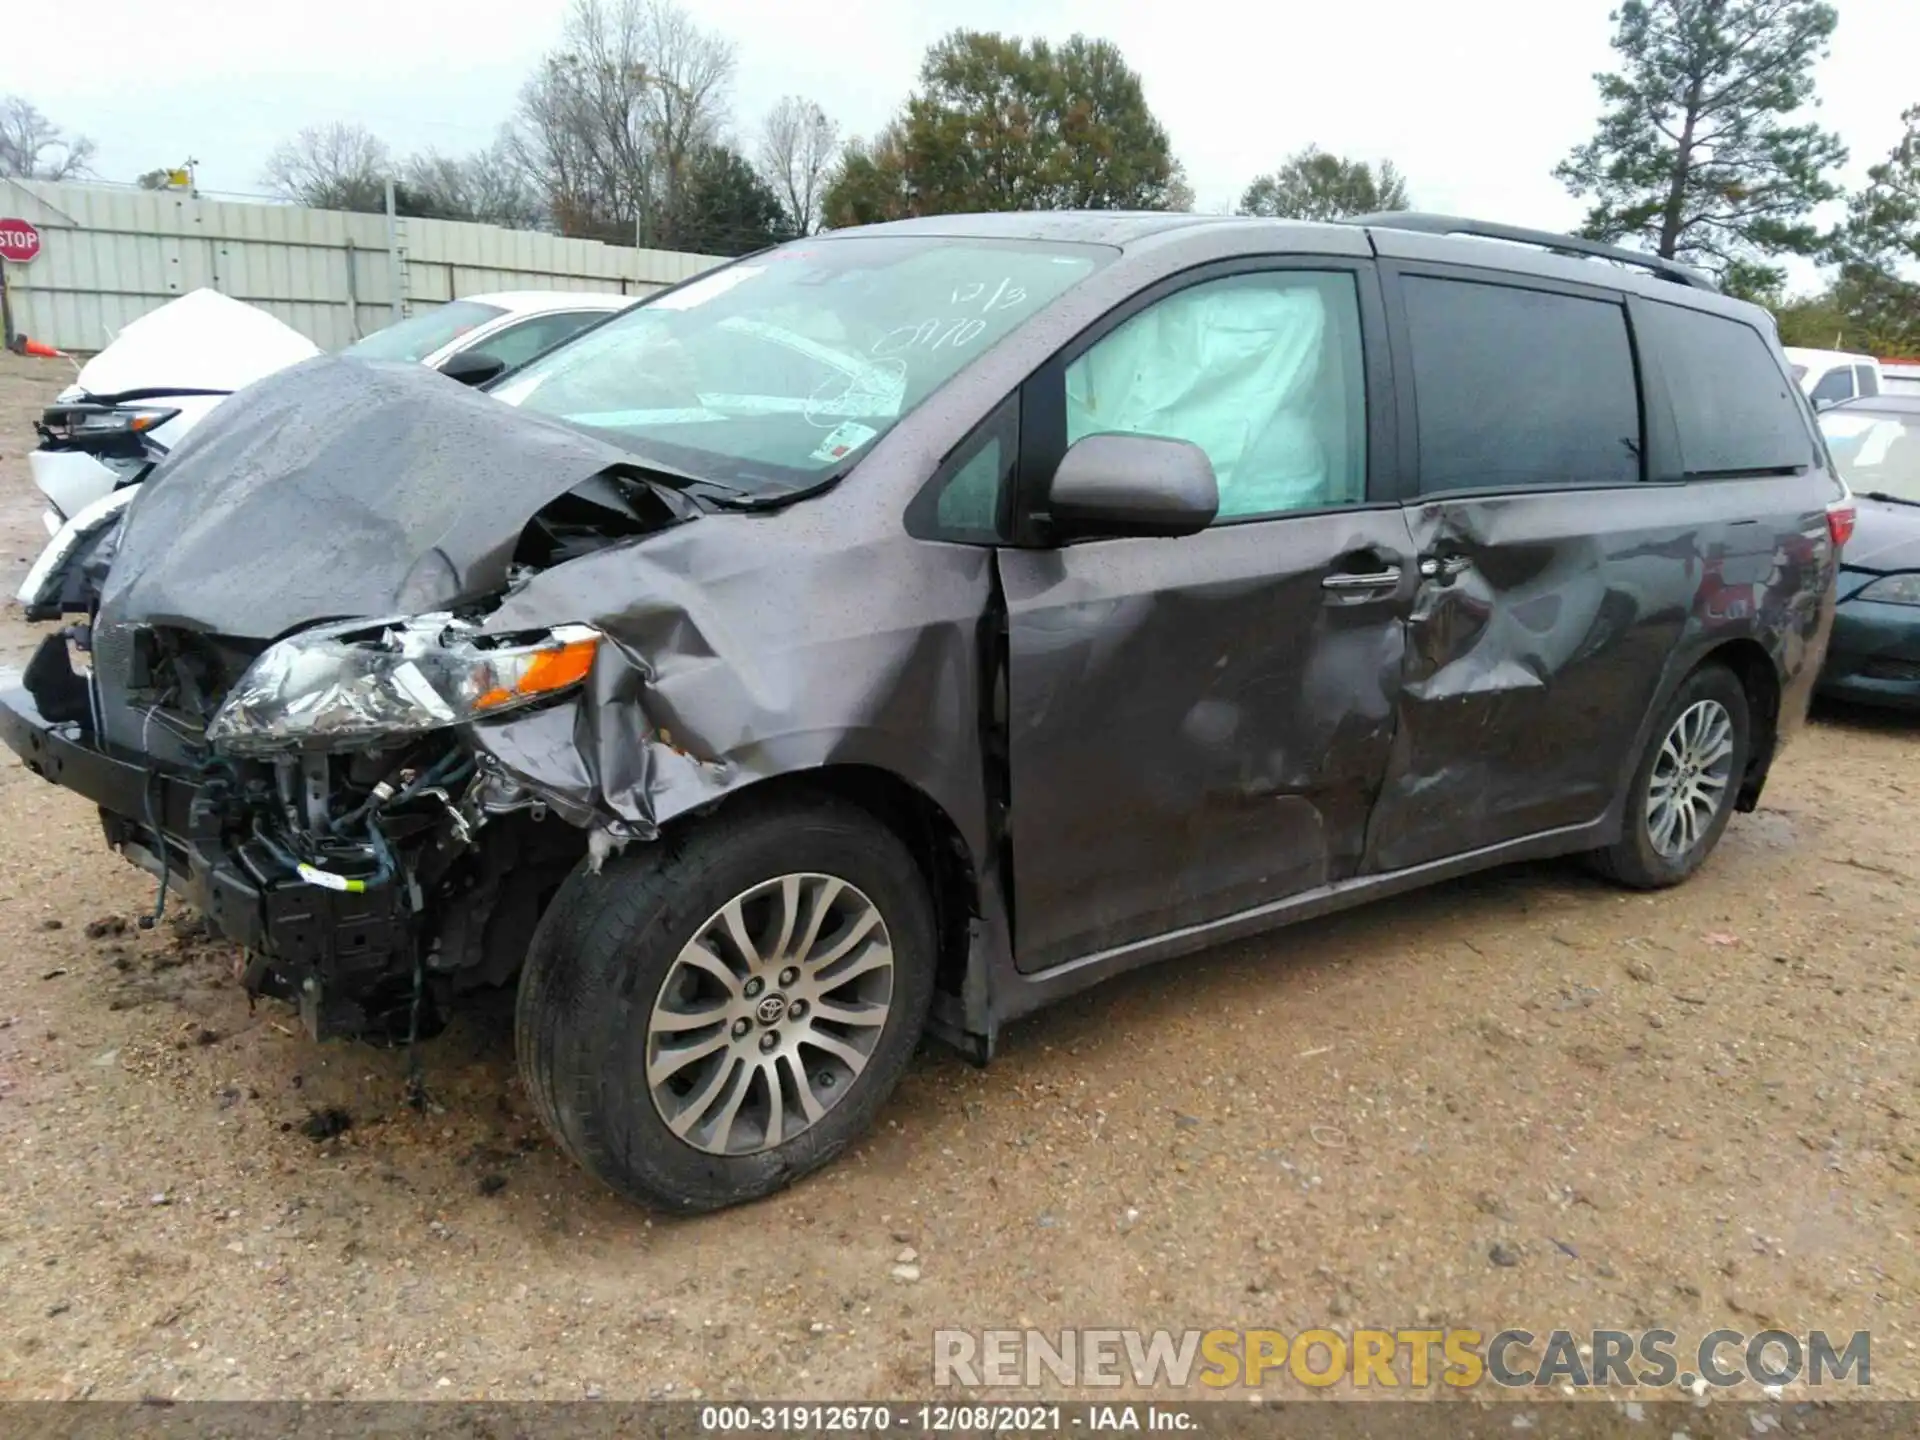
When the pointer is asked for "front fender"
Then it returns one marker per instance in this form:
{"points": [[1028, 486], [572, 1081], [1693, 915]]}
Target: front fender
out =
{"points": [[741, 649]]}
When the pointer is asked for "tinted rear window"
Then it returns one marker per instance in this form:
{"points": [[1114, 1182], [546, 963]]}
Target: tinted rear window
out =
{"points": [[1520, 387], [1735, 409]]}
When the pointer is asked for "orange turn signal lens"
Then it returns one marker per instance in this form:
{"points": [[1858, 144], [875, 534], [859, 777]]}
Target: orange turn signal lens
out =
{"points": [[539, 672]]}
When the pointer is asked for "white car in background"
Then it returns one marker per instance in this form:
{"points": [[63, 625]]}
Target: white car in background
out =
{"points": [[140, 396], [511, 328], [1830, 376]]}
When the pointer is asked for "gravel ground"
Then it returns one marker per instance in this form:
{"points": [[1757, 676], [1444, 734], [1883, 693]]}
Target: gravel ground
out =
{"points": [[1693, 1110]]}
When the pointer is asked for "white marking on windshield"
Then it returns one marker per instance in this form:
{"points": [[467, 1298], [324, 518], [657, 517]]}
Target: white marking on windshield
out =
{"points": [[707, 287]]}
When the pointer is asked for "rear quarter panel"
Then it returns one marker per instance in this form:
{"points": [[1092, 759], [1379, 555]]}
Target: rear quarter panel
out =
{"points": [[1766, 572], [1583, 612]]}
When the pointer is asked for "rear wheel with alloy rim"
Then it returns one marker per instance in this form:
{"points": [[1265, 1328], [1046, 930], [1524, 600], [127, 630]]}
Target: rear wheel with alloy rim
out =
{"points": [[712, 1016], [1691, 773], [1683, 789]]}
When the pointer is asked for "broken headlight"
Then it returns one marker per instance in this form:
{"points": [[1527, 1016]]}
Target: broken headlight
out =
{"points": [[365, 682]]}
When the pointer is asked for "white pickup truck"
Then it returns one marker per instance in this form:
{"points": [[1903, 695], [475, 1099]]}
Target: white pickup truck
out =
{"points": [[1901, 377], [1830, 376]]}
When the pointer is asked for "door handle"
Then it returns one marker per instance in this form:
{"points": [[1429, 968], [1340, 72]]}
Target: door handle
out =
{"points": [[1369, 580]]}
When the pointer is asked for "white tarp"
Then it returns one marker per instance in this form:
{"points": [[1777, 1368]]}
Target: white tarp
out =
{"points": [[202, 341]]}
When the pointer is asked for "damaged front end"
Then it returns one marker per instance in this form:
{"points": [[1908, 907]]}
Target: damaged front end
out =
{"points": [[326, 794], [395, 864], [380, 661], [323, 806]]}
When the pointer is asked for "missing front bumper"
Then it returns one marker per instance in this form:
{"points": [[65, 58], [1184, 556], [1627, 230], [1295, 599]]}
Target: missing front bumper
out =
{"points": [[346, 957]]}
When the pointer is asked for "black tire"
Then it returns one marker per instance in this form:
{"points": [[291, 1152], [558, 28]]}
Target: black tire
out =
{"points": [[1634, 860], [606, 946]]}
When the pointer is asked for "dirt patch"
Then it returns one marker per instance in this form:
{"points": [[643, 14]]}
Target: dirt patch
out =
{"points": [[1525, 1099], [26, 387]]}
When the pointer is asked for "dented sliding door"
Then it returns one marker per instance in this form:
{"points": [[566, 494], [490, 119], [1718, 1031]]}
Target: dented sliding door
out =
{"points": [[1553, 579]]}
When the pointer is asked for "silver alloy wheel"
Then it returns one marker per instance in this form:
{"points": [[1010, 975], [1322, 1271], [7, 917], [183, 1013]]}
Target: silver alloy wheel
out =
{"points": [[1690, 778], [769, 1014]]}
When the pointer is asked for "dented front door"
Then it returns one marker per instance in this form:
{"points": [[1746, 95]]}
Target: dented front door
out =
{"points": [[1196, 726]]}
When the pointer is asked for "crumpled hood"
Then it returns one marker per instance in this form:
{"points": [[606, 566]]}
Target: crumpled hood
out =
{"points": [[1885, 537], [202, 341], [339, 489]]}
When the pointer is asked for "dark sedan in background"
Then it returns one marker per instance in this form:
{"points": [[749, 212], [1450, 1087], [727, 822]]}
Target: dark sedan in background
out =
{"points": [[1874, 655]]}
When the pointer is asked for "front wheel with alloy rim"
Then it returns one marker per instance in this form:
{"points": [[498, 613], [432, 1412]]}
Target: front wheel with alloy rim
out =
{"points": [[713, 1016], [1684, 788]]}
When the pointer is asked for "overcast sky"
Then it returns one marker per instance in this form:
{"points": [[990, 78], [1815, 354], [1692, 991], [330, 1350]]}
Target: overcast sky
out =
{"points": [[1475, 99]]}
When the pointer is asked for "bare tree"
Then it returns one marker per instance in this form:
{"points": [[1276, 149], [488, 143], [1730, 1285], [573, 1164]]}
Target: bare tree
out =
{"points": [[611, 124], [489, 186], [799, 145], [603, 85], [32, 147], [332, 167], [687, 102], [501, 192], [557, 146]]}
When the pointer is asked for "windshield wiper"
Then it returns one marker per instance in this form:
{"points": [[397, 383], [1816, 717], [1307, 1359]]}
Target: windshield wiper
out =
{"points": [[721, 494], [667, 477], [642, 466], [1883, 495], [779, 499]]}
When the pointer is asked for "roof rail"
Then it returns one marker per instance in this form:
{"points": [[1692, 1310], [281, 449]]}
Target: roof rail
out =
{"points": [[1543, 239]]}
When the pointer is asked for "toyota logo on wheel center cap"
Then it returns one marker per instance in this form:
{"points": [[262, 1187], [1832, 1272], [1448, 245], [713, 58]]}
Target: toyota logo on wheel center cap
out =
{"points": [[771, 1009]]}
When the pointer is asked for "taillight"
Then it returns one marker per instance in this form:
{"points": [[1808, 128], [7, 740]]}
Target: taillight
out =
{"points": [[1840, 522]]}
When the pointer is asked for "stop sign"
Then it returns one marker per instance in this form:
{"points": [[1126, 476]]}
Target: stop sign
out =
{"points": [[19, 241]]}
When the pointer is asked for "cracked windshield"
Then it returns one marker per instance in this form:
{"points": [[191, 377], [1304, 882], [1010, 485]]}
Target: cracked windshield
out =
{"points": [[787, 366]]}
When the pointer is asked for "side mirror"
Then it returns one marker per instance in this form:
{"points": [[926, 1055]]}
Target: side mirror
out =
{"points": [[1117, 485], [473, 367]]}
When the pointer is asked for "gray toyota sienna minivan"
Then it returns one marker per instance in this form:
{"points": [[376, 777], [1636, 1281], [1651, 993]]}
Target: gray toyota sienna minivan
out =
{"points": [[903, 628]]}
